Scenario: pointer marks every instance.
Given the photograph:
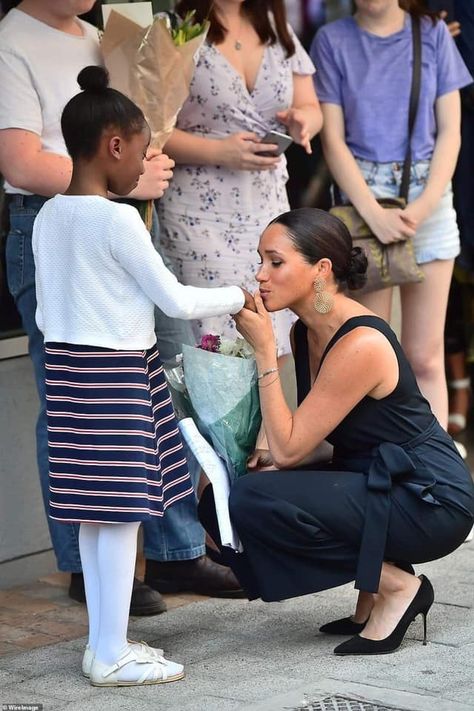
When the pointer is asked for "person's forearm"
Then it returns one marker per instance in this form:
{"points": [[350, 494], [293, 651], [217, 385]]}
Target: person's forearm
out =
{"points": [[442, 166], [347, 175], [189, 149], [276, 415], [314, 117], [43, 174]]}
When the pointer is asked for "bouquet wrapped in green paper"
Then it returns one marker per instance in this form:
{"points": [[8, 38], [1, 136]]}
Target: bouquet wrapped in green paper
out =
{"points": [[217, 387]]}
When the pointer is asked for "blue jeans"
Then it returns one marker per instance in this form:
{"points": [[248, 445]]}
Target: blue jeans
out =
{"points": [[179, 535]]}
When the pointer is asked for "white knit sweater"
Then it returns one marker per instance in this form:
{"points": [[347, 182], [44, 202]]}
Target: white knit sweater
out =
{"points": [[98, 277]]}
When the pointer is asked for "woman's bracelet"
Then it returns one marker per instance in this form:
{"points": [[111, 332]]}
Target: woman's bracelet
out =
{"points": [[267, 372], [265, 385]]}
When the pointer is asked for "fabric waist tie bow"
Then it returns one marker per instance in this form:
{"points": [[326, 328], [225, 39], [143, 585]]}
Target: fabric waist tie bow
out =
{"points": [[388, 463]]}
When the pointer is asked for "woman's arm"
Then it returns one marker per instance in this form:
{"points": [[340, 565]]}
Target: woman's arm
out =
{"points": [[361, 363], [239, 151], [387, 224], [445, 155], [304, 119], [188, 148], [26, 166]]}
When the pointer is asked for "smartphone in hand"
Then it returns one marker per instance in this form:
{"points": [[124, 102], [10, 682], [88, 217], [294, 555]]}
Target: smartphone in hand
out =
{"points": [[282, 140]]}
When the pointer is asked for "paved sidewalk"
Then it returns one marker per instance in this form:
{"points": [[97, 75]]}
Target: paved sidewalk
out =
{"points": [[41, 613], [270, 657]]}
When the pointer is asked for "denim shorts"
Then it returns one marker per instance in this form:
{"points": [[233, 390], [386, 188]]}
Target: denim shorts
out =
{"points": [[438, 236]]}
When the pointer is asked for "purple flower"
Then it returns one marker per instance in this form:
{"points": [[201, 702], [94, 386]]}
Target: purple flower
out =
{"points": [[211, 343]]}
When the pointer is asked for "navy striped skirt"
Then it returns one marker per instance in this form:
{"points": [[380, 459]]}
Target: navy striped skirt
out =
{"points": [[115, 451]]}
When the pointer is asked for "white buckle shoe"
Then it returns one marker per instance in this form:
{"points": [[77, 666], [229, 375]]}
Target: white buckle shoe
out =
{"points": [[88, 657], [156, 669]]}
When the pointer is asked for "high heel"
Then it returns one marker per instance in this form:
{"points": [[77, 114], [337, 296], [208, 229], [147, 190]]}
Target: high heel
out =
{"points": [[420, 605], [346, 626]]}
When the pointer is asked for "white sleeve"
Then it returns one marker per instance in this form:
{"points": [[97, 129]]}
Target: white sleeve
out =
{"points": [[131, 246], [20, 105]]}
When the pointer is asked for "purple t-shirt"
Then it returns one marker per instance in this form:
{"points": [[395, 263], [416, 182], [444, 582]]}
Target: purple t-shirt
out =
{"points": [[370, 78]]}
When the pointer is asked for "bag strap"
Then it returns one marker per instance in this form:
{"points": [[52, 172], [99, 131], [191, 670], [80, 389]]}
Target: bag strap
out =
{"points": [[413, 106], [412, 111]]}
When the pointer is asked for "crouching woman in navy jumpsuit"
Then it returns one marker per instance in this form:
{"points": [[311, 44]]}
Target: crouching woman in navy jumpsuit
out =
{"points": [[395, 491]]}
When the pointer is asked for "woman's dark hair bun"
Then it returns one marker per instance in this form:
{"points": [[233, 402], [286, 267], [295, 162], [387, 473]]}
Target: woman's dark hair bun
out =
{"points": [[93, 78], [357, 272]]}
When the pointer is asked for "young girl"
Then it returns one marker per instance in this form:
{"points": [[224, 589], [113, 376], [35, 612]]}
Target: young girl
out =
{"points": [[115, 453]]}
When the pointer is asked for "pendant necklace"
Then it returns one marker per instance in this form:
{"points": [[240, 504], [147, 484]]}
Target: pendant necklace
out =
{"points": [[238, 43]]}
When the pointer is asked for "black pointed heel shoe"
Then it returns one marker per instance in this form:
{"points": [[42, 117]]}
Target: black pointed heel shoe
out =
{"points": [[420, 605], [346, 626]]}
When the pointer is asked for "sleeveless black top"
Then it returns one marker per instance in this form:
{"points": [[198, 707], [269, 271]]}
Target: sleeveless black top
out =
{"points": [[398, 417]]}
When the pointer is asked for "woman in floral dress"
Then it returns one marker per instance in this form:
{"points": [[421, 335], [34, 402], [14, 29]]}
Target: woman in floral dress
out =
{"points": [[252, 76]]}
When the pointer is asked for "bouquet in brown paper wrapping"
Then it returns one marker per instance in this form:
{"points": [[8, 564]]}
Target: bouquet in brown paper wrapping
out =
{"points": [[153, 65]]}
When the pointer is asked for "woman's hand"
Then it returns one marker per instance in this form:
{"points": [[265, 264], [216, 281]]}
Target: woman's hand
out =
{"points": [[256, 327], [297, 123], [261, 460], [241, 151], [391, 224], [155, 179], [417, 211], [454, 27]]}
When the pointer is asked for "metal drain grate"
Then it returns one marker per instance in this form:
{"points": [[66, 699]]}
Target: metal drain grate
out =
{"points": [[341, 703]]}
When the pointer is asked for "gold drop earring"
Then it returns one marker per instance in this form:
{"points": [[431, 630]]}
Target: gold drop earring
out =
{"points": [[324, 300]]}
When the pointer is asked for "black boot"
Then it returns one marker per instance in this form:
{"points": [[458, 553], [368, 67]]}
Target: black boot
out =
{"points": [[145, 600]]}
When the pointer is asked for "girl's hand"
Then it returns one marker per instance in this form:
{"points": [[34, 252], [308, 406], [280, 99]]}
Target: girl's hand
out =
{"points": [[240, 151], [249, 300], [256, 327], [391, 224], [296, 121], [261, 460], [417, 211]]}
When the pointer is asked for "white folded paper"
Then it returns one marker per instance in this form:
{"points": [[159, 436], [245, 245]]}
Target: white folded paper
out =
{"points": [[217, 474]]}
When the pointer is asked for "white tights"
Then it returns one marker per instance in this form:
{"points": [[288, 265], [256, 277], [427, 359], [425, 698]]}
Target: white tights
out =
{"points": [[108, 552]]}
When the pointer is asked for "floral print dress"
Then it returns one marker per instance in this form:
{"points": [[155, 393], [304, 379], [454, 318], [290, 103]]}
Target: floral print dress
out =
{"points": [[212, 217]]}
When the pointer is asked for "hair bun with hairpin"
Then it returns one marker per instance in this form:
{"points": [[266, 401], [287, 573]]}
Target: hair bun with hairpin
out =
{"points": [[357, 271], [93, 78]]}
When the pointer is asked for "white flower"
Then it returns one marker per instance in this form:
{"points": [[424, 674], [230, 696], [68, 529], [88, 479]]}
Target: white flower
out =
{"points": [[238, 348]]}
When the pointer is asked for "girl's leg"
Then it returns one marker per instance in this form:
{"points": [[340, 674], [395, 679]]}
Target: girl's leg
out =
{"points": [[380, 302], [423, 316], [116, 553], [118, 662], [88, 544]]}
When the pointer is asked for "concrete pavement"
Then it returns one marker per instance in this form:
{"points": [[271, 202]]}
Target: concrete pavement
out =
{"points": [[243, 656]]}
